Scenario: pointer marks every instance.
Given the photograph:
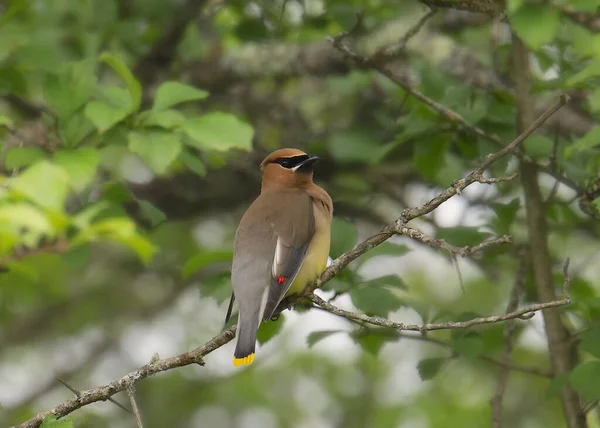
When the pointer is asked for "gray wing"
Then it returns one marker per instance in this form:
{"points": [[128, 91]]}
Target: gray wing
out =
{"points": [[276, 245], [294, 233]]}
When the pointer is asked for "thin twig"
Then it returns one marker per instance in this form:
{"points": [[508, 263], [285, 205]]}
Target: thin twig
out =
{"points": [[134, 406], [534, 370], [409, 214], [106, 391], [78, 394], [509, 328], [452, 250], [395, 50], [485, 180], [588, 20], [447, 113], [458, 273], [382, 322]]}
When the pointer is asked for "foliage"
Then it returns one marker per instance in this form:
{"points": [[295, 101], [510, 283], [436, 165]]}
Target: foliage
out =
{"points": [[131, 134]]}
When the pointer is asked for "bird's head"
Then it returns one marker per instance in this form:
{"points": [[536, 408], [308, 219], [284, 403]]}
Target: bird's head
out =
{"points": [[287, 168]]}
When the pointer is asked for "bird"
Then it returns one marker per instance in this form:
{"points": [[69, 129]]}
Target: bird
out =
{"points": [[281, 243]]}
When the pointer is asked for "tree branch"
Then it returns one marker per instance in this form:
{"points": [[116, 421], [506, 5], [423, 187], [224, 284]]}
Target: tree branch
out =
{"points": [[491, 7], [102, 393], [134, 406], [563, 356], [382, 67], [509, 328], [523, 313], [590, 21]]}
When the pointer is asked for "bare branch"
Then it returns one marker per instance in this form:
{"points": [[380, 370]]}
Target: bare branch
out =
{"points": [[450, 249], [395, 50], [78, 394], [104, 392], [411, 213], [590, 21], [509, 328], [450, 325], [562, 354], [491, 7], [134, 406], [450, 115], [484, 180]]}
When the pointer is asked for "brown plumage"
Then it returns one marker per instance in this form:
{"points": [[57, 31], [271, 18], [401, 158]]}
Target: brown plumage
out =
{"points": [[281, 244]]}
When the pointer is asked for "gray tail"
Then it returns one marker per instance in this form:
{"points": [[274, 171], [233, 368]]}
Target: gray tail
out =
{"points": [[246, 341]]}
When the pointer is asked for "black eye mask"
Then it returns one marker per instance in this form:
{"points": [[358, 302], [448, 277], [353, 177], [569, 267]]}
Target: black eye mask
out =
{"points": [[292, 162]]}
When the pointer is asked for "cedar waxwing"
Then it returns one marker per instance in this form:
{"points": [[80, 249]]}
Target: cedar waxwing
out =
{"points": [[281, 244]]}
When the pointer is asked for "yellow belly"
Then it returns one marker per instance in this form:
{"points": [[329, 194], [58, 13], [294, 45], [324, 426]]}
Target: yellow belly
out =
{"points": [[314, 264]]}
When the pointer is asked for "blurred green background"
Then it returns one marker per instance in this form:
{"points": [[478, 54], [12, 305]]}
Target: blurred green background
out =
{"points": [[131, 134]]}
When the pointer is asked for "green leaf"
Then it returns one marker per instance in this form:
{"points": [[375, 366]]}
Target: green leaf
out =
{"points": [[50, 421], [470, 344], [594, 101], [144, 249], [157, 149], [76, 129], [172, 93], [351, 146], [539, 146], [269, 329], [151, 213], [84, 218], [375, 300], [116, 192], [217, 286], [343, 237], [386, 249], [116, 97], [371, 340], [430, 155], [589, 71], [204, 259], [80, 164], [386, 281], [67, 90], [43, 183], [18, 157], [429, 367], [585, 378], [590, 340], [133, 86], [513, 5], [20, 215], [505, 215], [119, 229], [219, 131], [6, 121], [589, 140], [316, 336], [166, 119], [536, 24], [337, 285], [193, 162], [103, 115], [461, 235]]}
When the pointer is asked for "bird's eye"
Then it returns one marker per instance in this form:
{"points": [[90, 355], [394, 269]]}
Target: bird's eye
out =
{"points": [[290, 163], [284, 162]]}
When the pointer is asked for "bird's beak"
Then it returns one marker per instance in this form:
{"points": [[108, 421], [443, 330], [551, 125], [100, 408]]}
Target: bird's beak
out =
{"points": [[307, 163]]}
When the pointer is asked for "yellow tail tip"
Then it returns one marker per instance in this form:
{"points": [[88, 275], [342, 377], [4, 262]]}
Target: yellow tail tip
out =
{"points": [[245, 361]]}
